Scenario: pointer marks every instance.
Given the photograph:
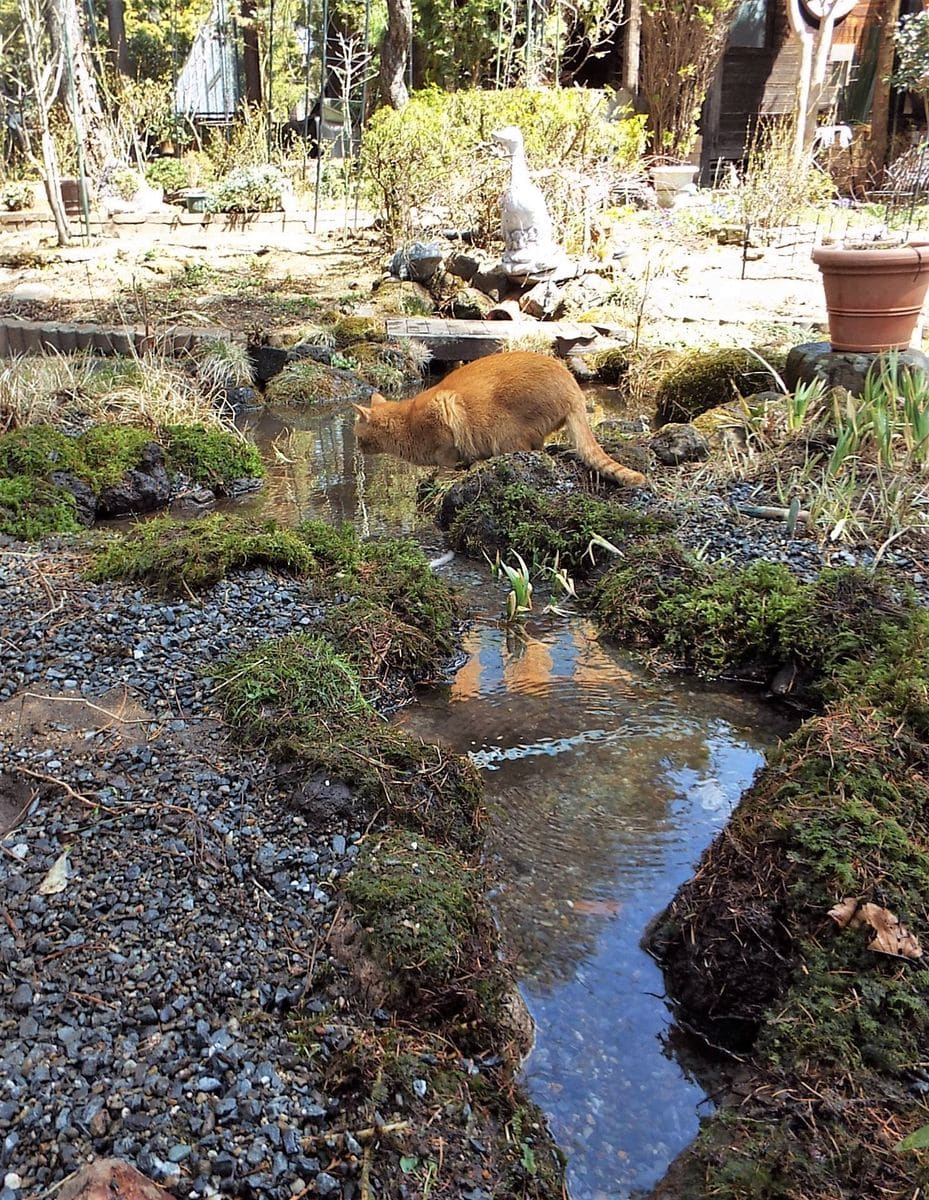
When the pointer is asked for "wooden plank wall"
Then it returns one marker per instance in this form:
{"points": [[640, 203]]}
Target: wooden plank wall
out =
{"points": [[764, 82]]}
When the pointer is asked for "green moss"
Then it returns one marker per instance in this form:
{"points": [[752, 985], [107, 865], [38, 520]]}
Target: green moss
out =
{"points": [[399, 618], [396, 574], [297, 684], [337, 546], [629, 598], [349, 330], [308, 382], [704, 379], [415, 784], [847, 632], [214, 457], [842, 810], [538, 526], [32, 508], [177, 556], [38, 450], [382, 644], [108, 452], [418, 904]]}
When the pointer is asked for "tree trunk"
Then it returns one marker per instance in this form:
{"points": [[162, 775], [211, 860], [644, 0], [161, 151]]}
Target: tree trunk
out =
{"points": [[880, 107], [83, 106], [116, 23], [251, 55], [395, 48], [52, 180]]}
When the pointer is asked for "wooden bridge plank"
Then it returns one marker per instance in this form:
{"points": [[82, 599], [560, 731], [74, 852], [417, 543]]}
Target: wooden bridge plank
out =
{"points": [[451, 340]]}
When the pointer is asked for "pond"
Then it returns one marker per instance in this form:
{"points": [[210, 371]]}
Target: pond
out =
{"points": [[605, 782]]}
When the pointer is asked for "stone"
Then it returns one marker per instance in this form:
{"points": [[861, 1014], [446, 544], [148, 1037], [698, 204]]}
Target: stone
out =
{"points": [[109, 1177], [493, 281], [675, 443], [464, 264], [543, 301], [36, 293], [84, 499], [393, 297], [470, 304], [817, 360], [588, 292], [141, 489], [419, 261], [21, 1000]]}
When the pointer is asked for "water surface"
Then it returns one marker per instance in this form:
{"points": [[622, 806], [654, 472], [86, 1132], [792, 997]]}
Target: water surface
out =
{"points": [[605, 783]]}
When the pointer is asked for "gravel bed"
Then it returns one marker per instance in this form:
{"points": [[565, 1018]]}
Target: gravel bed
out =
{"points": [[713, 528], [141, 1006]]}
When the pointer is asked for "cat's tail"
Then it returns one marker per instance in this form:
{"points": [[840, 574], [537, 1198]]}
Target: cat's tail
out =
{"points": [[592, 454]]}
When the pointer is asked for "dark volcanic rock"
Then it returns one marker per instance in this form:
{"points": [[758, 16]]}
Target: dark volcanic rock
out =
{"points": [[141, 489]]}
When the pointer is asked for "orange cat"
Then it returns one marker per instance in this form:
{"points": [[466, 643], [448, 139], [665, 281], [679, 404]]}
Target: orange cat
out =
{"points": [[495, 405]]}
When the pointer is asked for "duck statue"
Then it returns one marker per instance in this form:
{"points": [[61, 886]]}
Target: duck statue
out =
{"points": [[525, 222]]}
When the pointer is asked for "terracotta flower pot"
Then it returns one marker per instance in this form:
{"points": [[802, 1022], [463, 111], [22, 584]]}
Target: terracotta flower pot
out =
{"points": [[873, 295]]}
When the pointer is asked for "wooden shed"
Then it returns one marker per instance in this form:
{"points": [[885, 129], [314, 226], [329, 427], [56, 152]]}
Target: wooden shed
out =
{"points": [[760, 72]]}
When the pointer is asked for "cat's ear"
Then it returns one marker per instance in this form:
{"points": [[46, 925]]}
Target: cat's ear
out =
{"points": [[377, 398], [364, 413]]}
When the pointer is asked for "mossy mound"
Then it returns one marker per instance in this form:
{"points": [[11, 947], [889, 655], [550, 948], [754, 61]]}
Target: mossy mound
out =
{"points": [[35, 451], [32, 508], [611, 366], [399, 616], [496, 1137], [296, 686], [420, 907], [178, 556], [754, 959], [626, 599], [349, 330], [306, 382], [846, 631], [304, 700], [213, 457], [396, 574], [390, 367], [541, 526], [380, 643], [85, 467], [705, 379], [389, 775]]}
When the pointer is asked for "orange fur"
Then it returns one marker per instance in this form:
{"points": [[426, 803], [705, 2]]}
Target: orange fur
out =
{"points": [[495, 405]]}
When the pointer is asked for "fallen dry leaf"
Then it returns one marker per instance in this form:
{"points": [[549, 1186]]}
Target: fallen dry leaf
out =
{"points": [[843, 912], [598, 908], [890, 937], [57, 878]]}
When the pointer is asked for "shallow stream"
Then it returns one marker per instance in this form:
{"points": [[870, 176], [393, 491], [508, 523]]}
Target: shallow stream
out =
{"points": [[605, 784]]}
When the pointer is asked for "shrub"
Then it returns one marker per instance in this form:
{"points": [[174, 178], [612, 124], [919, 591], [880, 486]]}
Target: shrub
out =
{"points": [[169, 173], [427, 160], [250, 189], [16, 195]]}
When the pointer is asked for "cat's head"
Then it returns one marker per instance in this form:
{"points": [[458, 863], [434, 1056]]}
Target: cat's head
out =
{"points": [[372, 428]]}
